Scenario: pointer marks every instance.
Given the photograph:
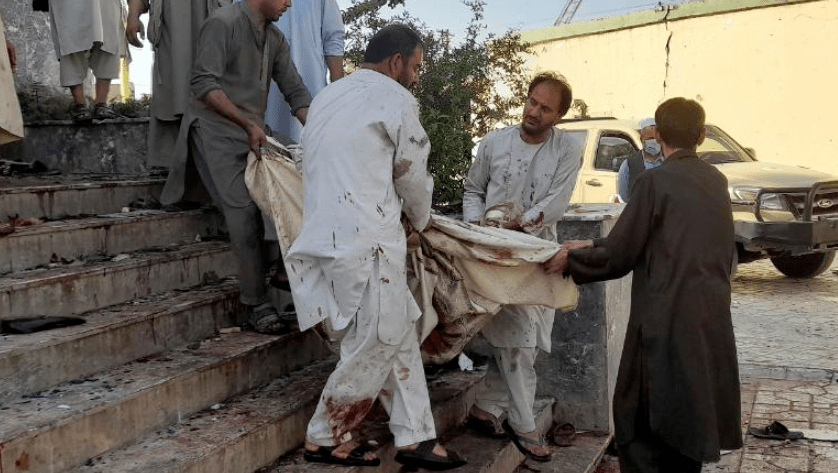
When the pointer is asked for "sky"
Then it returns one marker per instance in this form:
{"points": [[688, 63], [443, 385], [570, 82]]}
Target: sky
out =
{"points": [[500, 16]]}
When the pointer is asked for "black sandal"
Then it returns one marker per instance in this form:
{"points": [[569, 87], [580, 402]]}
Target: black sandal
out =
{"points": [[355, 457], [775, 431], [519, 441], [424, 457]]}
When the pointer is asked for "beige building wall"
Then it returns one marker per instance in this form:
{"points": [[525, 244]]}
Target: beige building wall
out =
{"points": [[766, 71]]}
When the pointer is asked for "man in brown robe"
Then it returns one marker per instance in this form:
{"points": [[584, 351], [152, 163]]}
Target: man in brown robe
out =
{"points": [[677, 400]]}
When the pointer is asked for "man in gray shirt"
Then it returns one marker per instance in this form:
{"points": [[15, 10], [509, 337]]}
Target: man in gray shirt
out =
{"points": [[239, 52], [532, 167]]}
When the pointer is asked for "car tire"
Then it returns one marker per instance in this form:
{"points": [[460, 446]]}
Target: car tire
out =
{"points": [[804, 266]]}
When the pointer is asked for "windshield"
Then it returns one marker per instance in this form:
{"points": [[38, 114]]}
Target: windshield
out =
{"points": [[720, 148]]}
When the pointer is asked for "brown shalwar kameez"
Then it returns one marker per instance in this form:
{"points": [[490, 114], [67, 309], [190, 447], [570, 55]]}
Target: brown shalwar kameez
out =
{"points": [[678, 382]]}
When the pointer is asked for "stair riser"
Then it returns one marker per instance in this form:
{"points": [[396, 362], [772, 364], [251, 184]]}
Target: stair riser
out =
{"points": [[75, 293], [51, 363], [30, 249], [509, 458], [71, 200], [74, 440]]}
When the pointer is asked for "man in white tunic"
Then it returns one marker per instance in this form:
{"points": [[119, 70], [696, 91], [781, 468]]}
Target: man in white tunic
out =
{"points": [[364, 166], [314, 30], [532, 166], [88, 35], [173, 29]]}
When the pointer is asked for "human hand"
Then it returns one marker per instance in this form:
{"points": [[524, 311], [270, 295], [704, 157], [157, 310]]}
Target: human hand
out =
{"points": [[577, 244], [10, 48], [301, 114], [557, 264], [255, 138], [133, 28]]}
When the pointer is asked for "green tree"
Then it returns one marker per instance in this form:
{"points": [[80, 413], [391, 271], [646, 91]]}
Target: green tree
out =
{"points": [[465, 89]]}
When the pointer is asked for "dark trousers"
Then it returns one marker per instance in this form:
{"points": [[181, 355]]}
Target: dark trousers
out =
{"points": [[648, 454]]}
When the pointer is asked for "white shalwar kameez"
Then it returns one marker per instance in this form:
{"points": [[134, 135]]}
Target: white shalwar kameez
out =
{"points": [[364, 163], [538, 178]]}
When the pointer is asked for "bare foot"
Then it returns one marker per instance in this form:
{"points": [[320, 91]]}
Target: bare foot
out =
{"points": [[343, 450]]}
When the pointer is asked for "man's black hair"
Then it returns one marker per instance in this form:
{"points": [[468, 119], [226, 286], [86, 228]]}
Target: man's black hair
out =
{"points": [[392, 39], [558, 81], [680, 122]]}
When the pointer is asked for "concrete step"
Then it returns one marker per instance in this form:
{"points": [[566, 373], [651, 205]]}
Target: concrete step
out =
{"points": [[69, 195], [581, 457], [113, 336], [75, 290], [489, 455], [63, 427], [253, 429], [452, 395], [39, 245]]}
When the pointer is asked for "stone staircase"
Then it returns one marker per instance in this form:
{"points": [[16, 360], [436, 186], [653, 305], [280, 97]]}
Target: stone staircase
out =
{"points": [[159, 378]]}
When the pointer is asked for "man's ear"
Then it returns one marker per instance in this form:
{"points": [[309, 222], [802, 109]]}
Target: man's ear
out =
{"points": [[702, 136], [394, 65], [658, 136]]}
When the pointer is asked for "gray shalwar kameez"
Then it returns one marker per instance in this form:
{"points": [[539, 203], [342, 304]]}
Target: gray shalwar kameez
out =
{"points": [[173, 29], [538, 178], [235, 56]]}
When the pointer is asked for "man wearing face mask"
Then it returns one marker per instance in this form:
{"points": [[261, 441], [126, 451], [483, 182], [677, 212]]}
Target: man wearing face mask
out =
{"points": [[647, 158]]}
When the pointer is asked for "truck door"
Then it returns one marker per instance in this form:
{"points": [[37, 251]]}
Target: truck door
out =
{"points": [[599, 178]]}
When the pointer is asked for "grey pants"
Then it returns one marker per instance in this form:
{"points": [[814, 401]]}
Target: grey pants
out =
{"points": [[510, 387], [247, 235]]}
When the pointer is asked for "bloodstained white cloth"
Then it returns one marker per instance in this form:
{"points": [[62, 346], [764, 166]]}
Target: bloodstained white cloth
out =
{"points": [[468, 269]]}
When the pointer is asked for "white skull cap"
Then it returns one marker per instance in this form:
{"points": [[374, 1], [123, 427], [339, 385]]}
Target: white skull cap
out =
{"points": [[650, 121]]}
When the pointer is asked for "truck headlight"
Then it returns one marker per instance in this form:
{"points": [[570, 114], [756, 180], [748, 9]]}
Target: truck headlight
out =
{"points": [[743, 195], [774, 208]]}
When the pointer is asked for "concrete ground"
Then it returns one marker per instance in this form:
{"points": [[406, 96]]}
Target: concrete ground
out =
{"points": [[787, 340]]}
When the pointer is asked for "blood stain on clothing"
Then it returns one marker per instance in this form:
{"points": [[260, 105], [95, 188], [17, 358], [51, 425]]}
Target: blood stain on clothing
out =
{"points": [[401, 168], [346, 416], [404, 373]]}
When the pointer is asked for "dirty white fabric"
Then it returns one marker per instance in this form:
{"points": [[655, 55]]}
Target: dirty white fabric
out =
{"points": [[11, 121], [509, 387], [539, 179], [369, 369], [173, 30], [78, 24], [314, 30], [466, 270], [365, 162]]}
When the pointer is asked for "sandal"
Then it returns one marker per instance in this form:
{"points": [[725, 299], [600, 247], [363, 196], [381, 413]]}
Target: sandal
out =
{"points": [[424, 457], [563, 435], [264, 319], [776, 431], [355, 457], [519, 442], [103, 112], [488, 427], [79, 113]]}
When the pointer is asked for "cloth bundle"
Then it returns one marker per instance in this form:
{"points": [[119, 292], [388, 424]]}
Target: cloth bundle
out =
{"points": [[459, 273]]}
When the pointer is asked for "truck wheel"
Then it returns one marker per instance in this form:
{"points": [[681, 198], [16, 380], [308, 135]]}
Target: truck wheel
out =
{"points": [[804, 266]]}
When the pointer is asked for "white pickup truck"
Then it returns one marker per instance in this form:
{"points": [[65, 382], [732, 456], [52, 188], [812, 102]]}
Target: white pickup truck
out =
{"points": [[786, 213]]}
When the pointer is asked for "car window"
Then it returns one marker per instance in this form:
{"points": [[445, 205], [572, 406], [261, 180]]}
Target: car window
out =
{"points": [[720, 149], [612, 149], [580, 137]]}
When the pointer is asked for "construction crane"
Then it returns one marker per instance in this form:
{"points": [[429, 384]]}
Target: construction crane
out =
{"points": [[568, 11]]}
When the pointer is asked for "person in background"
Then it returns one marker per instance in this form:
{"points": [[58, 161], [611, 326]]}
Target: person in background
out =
{"points": [[88, 36], [648, 157], [314, 31]]}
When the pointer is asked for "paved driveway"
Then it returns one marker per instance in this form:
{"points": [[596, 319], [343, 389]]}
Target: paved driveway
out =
{"points": [[786, 328]]}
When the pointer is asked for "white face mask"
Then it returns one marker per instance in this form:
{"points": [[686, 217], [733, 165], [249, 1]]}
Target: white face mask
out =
{"points": [[652, 147]]}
